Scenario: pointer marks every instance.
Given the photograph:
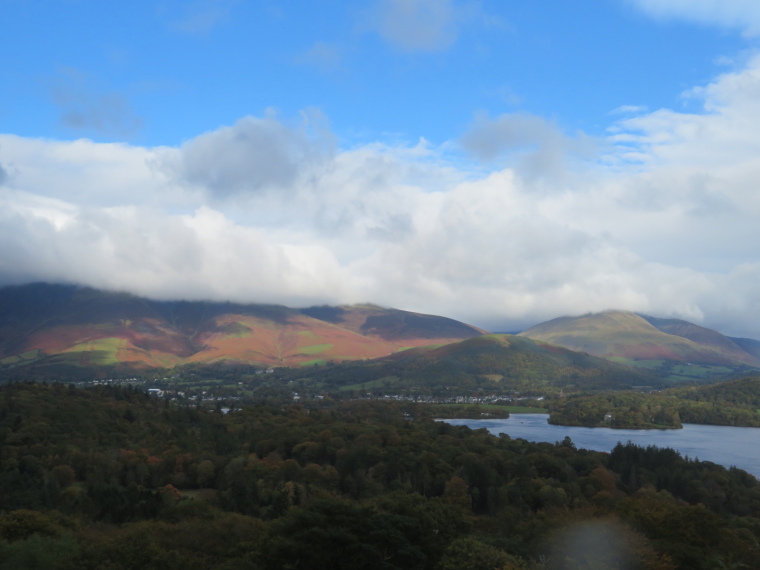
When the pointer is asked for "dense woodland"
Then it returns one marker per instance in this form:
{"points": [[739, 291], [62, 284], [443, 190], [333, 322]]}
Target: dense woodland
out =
{"points": [[735, 403], [109, 478]]}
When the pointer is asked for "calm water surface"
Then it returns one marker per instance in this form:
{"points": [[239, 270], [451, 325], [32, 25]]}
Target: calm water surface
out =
{"points": [[720, 444]]}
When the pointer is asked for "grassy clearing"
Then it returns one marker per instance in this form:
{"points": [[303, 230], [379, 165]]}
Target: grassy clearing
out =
{"points": [[510, 409], [187, 383], [680, 373], [66, 358], [315, 349], [525, 410], [646, 364], [105, 353], [27, 356], [239, 330], [379, 383], [675, 373], [166, 360], [100, 352], [317, 361], [494, 377], [423, 348], [699, 371]]}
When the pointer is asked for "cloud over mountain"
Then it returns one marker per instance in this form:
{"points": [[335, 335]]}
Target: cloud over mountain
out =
{"points": [[661, 219]]}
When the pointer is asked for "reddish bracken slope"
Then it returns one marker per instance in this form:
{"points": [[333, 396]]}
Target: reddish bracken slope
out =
{"points": [[74, 326]]}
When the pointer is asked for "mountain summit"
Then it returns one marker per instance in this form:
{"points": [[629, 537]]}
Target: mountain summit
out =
{"points": [[672, 347]]}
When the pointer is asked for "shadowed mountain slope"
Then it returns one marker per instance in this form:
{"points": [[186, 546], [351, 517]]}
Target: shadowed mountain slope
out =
{"points": [[490, 362], [392, 324], [704, 337], [749, 345]]}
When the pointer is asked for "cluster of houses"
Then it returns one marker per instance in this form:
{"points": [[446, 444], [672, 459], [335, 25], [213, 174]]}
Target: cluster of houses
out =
{"points": [[110, 382], [486, 399], [424, 399]]}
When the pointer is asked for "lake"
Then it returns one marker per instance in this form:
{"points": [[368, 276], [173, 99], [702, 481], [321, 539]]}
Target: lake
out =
{"points": [[720, 444]]}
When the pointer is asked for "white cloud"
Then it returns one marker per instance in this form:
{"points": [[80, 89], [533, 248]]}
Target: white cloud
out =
{"points": [[629, 109], [742, 14], [323, 56], [416, 25], [200, 256], [202, 16], [85, 108], [270, 211], [85, 172], [534, 146]]}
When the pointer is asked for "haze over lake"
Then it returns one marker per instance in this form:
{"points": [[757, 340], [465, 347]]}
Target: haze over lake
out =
{"points": [[720, 444]]}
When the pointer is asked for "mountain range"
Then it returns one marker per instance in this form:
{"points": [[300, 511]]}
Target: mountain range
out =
{"points": [[66, 329]]}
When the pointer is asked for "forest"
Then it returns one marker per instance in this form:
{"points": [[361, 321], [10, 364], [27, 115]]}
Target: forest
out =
{"points": [[733, 403], [110, 478]]}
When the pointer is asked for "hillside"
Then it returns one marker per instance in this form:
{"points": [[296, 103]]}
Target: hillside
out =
{"points": [[72, 329], [739, 393], [496, 362], [671, 348], [749, 345], [732, 403], [392, 325], [704, 337]]}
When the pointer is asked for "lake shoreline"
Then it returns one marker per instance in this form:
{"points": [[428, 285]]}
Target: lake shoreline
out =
{"points": [[725, 445]]}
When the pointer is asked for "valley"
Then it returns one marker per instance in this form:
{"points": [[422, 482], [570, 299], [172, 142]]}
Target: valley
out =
{"points": [[246, 436], [611, 369]]}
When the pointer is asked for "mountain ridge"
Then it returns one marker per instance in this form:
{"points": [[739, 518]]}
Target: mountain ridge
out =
{"points": [[48, 327], [671, 345], [69, 326]]}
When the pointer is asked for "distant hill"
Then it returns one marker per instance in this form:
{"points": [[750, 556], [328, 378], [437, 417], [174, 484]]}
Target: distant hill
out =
{"points": [[742, 392], [704, 337], [672, 348], [749, 345], [488, 362], [732, 403], [392, 325], [71, 329]]}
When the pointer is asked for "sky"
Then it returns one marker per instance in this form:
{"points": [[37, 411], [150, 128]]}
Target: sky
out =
{"points": [[498, 161]]}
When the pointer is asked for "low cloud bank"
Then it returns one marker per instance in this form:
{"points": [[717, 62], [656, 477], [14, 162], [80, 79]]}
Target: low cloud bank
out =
{"points": [[658, 217]]}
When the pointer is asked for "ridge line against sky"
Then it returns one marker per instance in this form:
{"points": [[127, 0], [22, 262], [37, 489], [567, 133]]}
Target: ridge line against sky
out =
{"points": [[497, 162]]}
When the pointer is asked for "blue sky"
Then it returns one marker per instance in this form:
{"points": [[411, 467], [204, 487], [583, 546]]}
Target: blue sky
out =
{"points": [[162, 72], [501, 162]]}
